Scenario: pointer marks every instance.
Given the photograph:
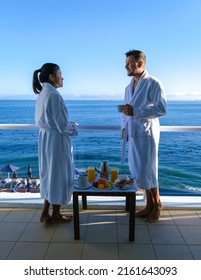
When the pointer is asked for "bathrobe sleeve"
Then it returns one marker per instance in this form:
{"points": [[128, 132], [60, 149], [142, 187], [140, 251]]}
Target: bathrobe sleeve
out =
{"points": [[60, 116], [156, 105]]}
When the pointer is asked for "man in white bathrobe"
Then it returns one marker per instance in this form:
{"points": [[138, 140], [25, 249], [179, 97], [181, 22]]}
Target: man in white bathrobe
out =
{"points": [[55, 149], [144, 103]]}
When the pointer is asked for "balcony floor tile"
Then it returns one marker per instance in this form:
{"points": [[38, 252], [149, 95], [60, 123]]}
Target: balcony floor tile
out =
{"points": [[103, 235]]}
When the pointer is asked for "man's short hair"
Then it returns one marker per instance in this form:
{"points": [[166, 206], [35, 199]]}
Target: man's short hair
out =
{"points": [[139, 55]]}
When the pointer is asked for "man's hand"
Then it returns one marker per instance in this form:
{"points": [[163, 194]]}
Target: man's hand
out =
{"points": [[128, 110]]}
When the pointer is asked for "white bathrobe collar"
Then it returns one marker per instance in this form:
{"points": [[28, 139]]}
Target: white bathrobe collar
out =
{"points": [[138, 87]]}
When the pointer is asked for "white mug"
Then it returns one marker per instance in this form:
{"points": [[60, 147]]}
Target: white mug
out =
{"points": [[120, 108]]}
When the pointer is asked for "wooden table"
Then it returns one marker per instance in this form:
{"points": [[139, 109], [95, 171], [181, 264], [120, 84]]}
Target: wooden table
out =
{"points": [[130, 206]]}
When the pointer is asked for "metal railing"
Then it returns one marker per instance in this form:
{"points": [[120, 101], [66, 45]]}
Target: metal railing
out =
{"points": [[102, 127], [174, 129]]}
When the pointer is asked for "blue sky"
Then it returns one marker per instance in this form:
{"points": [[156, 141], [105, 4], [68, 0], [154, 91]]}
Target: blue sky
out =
{"points": [[88, 39]]}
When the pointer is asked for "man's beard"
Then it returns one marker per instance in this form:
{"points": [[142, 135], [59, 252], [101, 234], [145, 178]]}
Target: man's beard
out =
{"points": [[131, 74]]}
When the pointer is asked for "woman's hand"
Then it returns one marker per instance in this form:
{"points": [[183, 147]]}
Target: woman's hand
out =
{"points": [[74, 123]]}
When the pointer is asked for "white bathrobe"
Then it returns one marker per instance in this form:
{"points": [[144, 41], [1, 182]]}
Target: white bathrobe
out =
{"points": [[55, 149], [143, 129]]}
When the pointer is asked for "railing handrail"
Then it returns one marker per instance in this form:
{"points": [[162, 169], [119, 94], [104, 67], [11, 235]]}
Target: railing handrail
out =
{"points": [[102, 127]]}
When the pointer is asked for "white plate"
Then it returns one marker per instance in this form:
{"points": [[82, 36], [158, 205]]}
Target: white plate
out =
{"points": [[102, 189], [127, 187], [78, 187]]}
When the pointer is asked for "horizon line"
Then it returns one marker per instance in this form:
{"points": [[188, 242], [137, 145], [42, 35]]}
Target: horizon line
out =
{"points": [[87, 99]]}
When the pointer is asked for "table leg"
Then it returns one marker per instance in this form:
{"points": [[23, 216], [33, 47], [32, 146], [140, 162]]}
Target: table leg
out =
{"points": [[132, 206], [127, 203], [84, 202], [76, 217]]}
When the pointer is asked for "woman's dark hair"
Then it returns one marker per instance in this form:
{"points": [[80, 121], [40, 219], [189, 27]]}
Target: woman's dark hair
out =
{"points": [[46, 70]]}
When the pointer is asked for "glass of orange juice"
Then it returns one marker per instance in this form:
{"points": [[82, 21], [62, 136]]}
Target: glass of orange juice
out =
{"points": [[91, 174], [114, 174]]}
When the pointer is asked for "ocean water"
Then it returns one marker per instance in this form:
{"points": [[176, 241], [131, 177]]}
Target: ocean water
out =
{"points": [[179, 153]]}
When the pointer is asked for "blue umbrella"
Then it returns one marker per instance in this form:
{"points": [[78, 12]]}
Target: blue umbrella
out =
{"points": [[9, 168]]}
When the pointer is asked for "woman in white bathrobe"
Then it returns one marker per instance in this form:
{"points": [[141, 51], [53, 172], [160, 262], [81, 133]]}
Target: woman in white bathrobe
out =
{"points": [[55, 149], [145, 102]]}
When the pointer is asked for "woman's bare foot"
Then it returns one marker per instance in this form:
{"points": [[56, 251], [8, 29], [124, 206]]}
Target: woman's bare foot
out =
{"points": [[45, 218]]}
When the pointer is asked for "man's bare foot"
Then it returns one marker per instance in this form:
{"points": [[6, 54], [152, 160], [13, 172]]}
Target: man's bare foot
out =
{"points": [[143, 212], [154, 216], [61, 219]]}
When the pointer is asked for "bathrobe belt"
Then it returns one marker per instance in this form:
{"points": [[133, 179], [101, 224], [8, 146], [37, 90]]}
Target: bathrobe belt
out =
{"points": [[123, 152]]}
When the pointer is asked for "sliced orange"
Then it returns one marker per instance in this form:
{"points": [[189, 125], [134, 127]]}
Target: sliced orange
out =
{"points": [[101, 186]]}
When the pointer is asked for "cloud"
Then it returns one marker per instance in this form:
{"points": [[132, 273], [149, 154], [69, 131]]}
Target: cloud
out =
{"points": [[184, 96]]}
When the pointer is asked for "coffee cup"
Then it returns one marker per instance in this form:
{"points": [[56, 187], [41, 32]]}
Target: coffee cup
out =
{"points": [[120, 108]]}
